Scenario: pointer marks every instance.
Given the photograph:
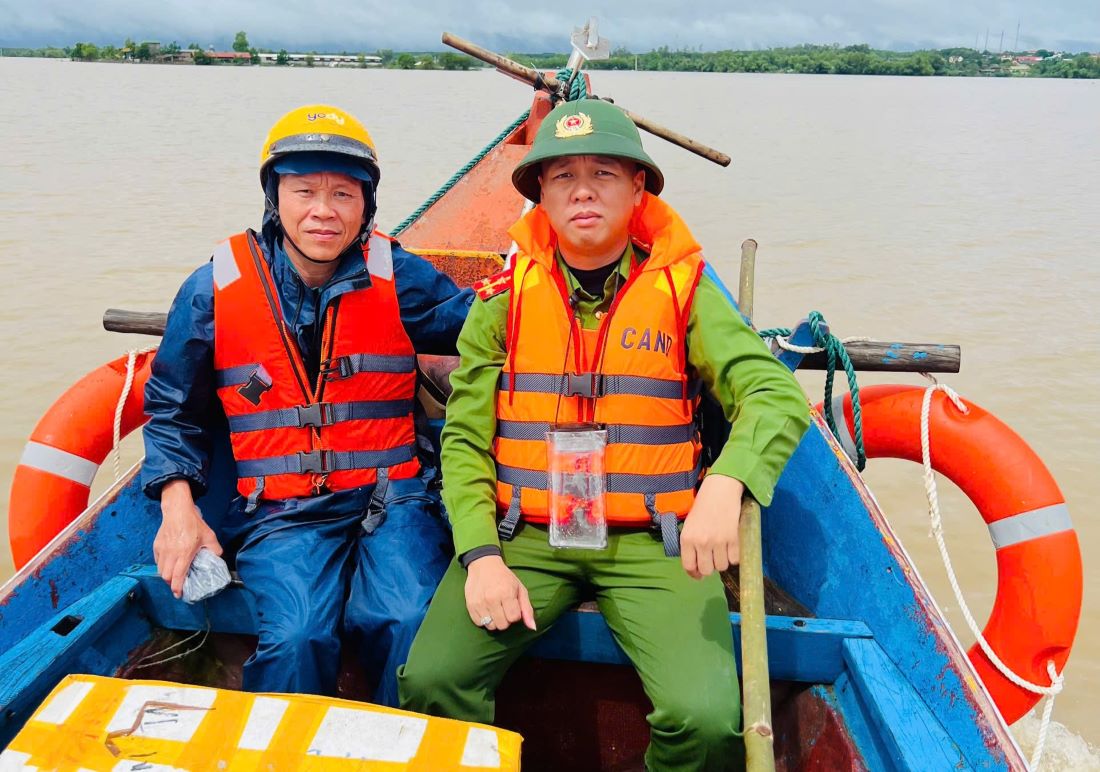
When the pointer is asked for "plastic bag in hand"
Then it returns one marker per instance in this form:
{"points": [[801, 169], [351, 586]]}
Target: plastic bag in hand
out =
{"points": [[207, 576]]}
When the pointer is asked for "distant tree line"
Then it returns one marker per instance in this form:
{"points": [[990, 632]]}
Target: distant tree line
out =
{"points": [[835, 60], [144, 52]]}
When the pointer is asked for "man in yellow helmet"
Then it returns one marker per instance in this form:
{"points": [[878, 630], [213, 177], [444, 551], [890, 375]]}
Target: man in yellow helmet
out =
{"points": [[305, 336]]}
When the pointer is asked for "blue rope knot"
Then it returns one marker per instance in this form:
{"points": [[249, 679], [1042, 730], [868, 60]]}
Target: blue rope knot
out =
{"points": [[834, 352]]}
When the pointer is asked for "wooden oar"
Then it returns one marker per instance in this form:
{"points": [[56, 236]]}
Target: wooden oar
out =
{"points": [[879, 356], [548, 82], [757, 710]]}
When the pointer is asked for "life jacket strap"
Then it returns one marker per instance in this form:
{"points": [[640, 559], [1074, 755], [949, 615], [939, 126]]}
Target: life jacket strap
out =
{"points": [[351, 364], [376, 508], [668, 524], [320, 414], [633, 434], [240, 375], [506, 528], [325, 461], [617, 482], [592, 385]]}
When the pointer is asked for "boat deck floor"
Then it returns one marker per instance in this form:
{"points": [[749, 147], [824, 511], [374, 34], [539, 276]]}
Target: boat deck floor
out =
{"points": [[572, 715]]}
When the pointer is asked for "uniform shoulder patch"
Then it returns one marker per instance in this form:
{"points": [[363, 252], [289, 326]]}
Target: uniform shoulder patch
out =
{"points": [[491, 286]]}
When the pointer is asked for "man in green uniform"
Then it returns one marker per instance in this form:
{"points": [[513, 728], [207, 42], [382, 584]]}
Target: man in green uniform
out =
{"points": [[608, 275]]}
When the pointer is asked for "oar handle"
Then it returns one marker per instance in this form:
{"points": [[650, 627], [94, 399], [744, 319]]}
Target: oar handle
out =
{"points": [[550, 83], [502, 63], [139, 322], [687, 143]]}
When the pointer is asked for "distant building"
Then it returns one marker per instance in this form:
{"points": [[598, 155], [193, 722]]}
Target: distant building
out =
{"points": [[129, 54], [1028, 59], [323, 60], [186, 56], [229, 57]]}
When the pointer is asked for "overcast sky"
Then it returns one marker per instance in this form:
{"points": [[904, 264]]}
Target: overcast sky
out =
{"points": [[366, 25]]}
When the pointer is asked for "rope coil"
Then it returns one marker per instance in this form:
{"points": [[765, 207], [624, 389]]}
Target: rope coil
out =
{"points": [[835, 352], [1057, 680]]}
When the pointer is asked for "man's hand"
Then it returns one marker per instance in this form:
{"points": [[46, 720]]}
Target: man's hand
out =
{"points": [[710, 540], [182, 532], [493, 591]]}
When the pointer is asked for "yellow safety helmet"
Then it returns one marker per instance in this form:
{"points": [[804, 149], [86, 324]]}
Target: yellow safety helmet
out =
{"points": [[319, 138]]}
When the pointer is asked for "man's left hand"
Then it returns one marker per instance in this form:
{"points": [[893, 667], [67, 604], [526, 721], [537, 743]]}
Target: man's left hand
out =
{"points": [[710, 540]]}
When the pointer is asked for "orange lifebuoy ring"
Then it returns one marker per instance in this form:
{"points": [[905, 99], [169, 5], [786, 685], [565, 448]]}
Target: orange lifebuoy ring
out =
{"points": [[1039, 580], [54, 477]]}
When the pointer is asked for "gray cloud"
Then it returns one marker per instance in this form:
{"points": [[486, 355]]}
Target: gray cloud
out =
{"points": [[638, 24]]}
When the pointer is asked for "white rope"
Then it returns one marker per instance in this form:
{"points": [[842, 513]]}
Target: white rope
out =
{"points": [[786, 345], [144, 661], [1057, 680], [116, 452]]}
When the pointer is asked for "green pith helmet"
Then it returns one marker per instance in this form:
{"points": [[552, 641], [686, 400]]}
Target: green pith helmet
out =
{"points": [[584, 127]]}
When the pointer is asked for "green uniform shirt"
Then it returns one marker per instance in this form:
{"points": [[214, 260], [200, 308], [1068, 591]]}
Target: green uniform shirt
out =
{"points": [[759, 396]]}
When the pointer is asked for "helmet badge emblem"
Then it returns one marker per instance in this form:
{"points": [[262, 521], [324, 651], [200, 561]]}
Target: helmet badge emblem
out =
{"points": [[573, 126]]}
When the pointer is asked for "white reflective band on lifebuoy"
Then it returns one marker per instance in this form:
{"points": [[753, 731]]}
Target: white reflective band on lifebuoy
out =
{"points": [[380, 258], [1030, 525], [225, 266], [59, 462], [836, 407]]}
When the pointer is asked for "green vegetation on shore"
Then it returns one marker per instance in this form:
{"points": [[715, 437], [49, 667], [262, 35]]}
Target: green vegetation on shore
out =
{"points": [[808, 59], [848, 60]]}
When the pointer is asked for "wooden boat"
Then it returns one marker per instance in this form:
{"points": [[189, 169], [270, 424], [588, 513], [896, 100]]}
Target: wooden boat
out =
{"points": [[865, 673]]}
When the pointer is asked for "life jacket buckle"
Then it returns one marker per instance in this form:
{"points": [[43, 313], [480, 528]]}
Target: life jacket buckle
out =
{"points": [[314, 461], [588, 385], [258, 385], [333, 369], [315, 415]]}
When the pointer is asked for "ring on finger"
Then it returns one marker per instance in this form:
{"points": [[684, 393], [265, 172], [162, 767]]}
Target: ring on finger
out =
{"points": [[485, 621]]}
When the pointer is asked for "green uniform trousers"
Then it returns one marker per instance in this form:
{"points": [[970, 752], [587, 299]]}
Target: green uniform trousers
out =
{"points": [[675, 630]]}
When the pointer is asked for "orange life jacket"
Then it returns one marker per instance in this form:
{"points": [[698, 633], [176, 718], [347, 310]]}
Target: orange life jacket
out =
{"points": [[630, 374], [293, 438]]}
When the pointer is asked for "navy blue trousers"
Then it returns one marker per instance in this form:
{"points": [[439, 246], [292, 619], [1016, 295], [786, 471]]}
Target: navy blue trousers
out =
{"points": [[321, 569]]}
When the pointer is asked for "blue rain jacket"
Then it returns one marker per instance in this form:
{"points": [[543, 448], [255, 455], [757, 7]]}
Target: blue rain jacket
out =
{"points": [[180, 396]]}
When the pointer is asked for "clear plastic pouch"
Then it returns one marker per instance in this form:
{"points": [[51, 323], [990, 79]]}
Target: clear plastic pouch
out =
{"points": [[576, 495]]}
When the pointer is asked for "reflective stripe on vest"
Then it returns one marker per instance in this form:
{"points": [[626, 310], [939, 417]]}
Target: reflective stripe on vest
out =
{"points": [[630, 376], [295, 438]]}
